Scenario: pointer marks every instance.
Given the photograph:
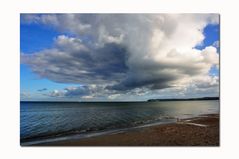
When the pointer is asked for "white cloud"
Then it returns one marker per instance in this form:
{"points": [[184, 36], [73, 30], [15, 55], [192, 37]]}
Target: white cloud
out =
{"points": [[114, 96], [87, 97], [25, 95], [56, 93], [216, 44]]}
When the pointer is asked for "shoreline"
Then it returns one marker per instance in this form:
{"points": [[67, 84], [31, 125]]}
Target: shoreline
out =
{"points": [[45, 140], [198, 131]]}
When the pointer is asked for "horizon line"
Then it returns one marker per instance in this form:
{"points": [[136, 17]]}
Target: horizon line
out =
{"points": [[148, 100]]}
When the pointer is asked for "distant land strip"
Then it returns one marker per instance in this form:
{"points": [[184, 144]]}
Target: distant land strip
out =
{"points": [[185, 99]]}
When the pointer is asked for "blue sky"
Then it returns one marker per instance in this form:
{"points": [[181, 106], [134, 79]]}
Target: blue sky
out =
{"points": [[33, 38], [36, 37], [212, 35]]}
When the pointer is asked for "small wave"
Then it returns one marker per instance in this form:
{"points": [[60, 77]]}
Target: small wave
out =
{"points": [[72, 135]]}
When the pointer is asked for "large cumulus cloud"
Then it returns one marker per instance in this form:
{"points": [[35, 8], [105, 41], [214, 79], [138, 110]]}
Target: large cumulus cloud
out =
{"points": [[126, 52]]}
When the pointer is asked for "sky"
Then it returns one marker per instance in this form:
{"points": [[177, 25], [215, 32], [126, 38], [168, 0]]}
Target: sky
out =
{"points": [[118, 57]]}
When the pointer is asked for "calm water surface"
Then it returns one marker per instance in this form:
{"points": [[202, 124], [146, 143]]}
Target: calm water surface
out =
{"points": [[56, 119]]}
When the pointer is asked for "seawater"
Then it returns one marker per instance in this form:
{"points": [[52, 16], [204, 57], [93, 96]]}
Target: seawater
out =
{"points": [[49, 120]]}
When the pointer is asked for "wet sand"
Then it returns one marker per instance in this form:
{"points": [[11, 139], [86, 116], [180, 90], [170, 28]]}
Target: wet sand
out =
{"points": [[199, 131]]}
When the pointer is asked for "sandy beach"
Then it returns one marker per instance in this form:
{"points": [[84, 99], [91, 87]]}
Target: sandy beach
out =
{"points": [[198, 131]]}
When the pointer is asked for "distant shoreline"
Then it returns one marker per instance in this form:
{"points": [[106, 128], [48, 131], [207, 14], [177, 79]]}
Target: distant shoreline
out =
{"points": [[184, 99]]}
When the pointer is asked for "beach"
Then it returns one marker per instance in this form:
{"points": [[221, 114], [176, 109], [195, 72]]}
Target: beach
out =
{"points": [[198, 131]]}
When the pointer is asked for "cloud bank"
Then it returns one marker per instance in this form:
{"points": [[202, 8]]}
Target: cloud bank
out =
{"points": [[117, 54]]}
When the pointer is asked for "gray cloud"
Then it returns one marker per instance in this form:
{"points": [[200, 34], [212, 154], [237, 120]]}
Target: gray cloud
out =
{"points": [[55, 93], [79, 92], [68, 64], [124, 53], [41, 90]]}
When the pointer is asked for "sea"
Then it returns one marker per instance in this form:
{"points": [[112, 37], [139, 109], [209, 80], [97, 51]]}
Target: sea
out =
{"points": [[42, 122]]}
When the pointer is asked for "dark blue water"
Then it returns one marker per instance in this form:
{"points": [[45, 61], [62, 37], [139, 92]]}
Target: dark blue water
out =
{"points": [[42, 120]]}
